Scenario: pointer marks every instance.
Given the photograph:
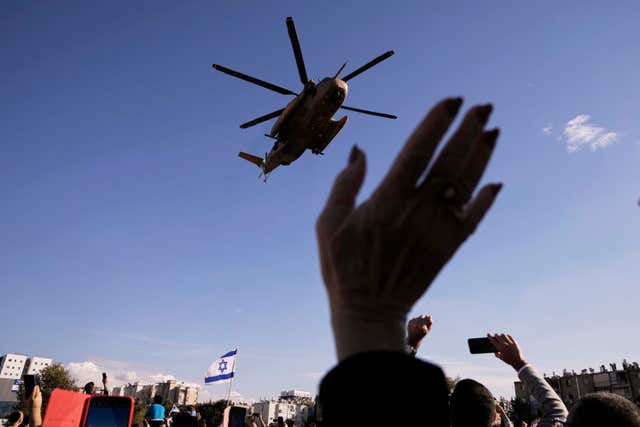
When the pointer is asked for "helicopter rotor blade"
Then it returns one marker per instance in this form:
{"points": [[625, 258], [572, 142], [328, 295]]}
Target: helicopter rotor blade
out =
{"points": [[372, 113], [340, 70], [261, 119], [253, 80], [368, 65], [297, 51]]}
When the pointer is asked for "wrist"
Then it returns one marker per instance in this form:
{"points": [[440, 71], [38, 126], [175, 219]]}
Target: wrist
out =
{"points": [[358, 334], [414, 343], [36, 418], [518, 364]]}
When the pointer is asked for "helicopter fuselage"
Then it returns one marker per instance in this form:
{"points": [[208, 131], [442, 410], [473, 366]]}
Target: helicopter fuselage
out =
{"points": [[307, 122]]}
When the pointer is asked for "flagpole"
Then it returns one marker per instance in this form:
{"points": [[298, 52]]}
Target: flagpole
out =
{"points": [[233, 370]]}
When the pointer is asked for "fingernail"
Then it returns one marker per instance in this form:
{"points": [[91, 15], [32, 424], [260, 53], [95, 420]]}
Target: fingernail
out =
{"points": [[453, 105], [490, 137], [354, 154], [483, 113], [497, 188]]}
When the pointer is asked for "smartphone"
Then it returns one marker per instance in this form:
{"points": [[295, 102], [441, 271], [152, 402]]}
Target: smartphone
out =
{"points": [[109, 411], [30, 381], [234, 416], [480, 345], [73, 409]]}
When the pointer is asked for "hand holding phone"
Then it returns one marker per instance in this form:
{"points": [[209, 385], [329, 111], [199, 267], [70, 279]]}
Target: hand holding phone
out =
{"points": [[480, 346], [508, 350], [30, 381]]}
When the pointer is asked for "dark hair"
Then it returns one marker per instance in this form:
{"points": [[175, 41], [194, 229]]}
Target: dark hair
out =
{"points": [[89, 387], [157, 399], [471, 405], [14, 417], [602, 408]]}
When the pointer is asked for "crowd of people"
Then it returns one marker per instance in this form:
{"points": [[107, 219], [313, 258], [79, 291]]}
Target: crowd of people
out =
{"points": [[378, 258]]}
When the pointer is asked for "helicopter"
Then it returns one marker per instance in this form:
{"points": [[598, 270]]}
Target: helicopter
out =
{"points": [[306, 122]]}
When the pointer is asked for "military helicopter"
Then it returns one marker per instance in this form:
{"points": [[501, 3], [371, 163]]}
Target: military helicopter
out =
{"points": [[306, 122]]}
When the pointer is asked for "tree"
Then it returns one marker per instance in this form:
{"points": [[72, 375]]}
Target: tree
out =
{"points": [[139, 410], [521, 411], [51, 377]]}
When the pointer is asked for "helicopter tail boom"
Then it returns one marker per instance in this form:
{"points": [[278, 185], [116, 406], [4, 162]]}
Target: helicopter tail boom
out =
{"points": [[258, 161]]}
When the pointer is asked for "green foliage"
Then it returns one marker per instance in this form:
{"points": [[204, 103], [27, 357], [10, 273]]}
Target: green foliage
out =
{"points": [[212, 412], [139, 410], [20, 404], [51, 377], [521, 411], [55, 376]]}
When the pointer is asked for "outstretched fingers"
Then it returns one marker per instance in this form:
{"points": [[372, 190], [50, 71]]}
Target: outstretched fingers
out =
{"points": [[477, 161], [451, 162], [480, 206], [416, 154]]}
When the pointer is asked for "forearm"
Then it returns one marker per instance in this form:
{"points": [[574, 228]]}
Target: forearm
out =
{"points": [[36, 417], [553, 409], [355, 335]]}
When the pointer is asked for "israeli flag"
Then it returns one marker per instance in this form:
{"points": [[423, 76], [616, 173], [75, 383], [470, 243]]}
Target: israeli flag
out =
{"points": [[221, 370]]}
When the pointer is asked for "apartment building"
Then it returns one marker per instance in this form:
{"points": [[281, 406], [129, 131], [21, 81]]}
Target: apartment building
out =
{"points": [[571, 386]]}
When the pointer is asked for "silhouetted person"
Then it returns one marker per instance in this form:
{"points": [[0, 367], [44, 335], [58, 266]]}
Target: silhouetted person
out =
{"points": [[604, 409], [472, 405]]}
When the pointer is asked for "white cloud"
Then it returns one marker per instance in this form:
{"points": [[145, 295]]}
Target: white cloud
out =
{"points": [[605, 140], [84, 372], [580, 132], [547, 130], [120, 373], [161, 378], [128, 377]]}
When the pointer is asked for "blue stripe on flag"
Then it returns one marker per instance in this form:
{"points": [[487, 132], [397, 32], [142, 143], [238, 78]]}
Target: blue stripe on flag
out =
{"points": [[231, 353], [218, 378]]}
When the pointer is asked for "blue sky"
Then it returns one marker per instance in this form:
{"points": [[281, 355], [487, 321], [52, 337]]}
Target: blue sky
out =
{"points": [[134, 240]]}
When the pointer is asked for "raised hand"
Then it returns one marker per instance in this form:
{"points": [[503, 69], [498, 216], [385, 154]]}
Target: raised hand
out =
{"points": [[417, 329], [34, 404], [378, 258], [507, 350]]}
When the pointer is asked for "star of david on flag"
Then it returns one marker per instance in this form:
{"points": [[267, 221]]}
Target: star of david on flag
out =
{"points": [[222, 369]]}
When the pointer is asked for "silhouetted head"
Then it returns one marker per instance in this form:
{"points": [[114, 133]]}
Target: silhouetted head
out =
{"points": [[157, 399], [90, 387], [604, 409], [471, 405]]}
